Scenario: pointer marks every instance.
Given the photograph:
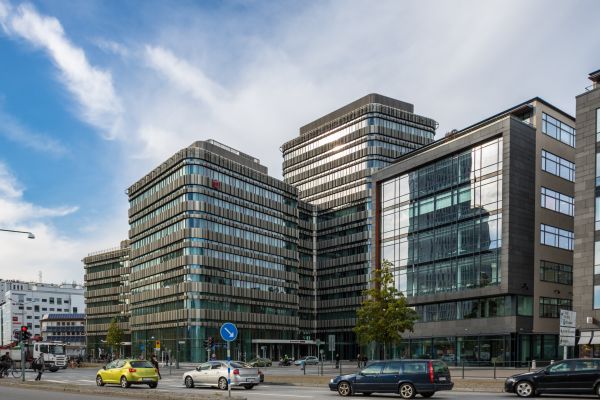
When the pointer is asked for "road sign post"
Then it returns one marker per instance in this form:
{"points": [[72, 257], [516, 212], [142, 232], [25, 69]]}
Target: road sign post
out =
{"points": [[567, 330], [229, 333]]}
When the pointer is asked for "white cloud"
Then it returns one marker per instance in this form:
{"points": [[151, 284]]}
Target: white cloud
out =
{"points": [[13, 130], [56, 254], [92, 87]]}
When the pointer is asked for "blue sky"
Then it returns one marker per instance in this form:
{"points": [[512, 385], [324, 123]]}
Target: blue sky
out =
{"points": [[94, 94]]}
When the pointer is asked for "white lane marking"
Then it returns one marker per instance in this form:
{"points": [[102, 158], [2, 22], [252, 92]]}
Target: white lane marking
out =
{"points": [[286, 395]]}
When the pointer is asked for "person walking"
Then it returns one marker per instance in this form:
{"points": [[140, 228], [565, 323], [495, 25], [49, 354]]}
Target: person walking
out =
{"points": [[365, 359], [154, 362], [337, 360], [358, 360], [38, 365], [5, 364]]}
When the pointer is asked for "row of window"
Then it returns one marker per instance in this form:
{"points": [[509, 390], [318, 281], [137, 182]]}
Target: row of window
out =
{"points": [[241, 284], [558, 166], [196, 303], [558, 202], [502, 306], [557, 273], [558, 130], [556, 237], [550, 307], [104, 267]]}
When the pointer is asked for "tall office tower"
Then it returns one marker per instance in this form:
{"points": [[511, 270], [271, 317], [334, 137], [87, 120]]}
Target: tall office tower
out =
{"points": [[478, 227], [331, 163], [213, 239], [586, 283], [107, 297], [306, 271]]}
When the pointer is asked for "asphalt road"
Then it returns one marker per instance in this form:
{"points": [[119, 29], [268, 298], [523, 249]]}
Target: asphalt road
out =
{"points": [[173, 384]]}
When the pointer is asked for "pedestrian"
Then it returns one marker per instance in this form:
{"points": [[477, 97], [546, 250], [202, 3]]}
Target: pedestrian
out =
{"points": [[213, 357], [337, 360], [154, 362], [5, 364], [358, 360], [38, 365], [365, 359], [166, 359]]}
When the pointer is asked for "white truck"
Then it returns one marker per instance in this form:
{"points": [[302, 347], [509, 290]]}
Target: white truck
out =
{"points": [[54, 354]]}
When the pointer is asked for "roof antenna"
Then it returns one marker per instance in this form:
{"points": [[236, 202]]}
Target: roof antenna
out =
{"points": [[40, 276]]}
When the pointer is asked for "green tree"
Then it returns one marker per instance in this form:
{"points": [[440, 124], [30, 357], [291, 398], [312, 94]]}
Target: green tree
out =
{"points": [[114, 337], [385, 314]]}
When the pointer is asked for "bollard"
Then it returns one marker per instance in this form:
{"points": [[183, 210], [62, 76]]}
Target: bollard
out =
{"points": [[551, 361], [494, 369], [533, 364], [304, 367], [463, 369], [340, 367]]}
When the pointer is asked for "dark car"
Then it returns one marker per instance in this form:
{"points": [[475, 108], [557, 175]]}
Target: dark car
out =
{"points": [[576, 376], [405, 377], [260, 362]]}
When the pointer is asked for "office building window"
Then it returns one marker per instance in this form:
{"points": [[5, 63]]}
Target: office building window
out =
{"points": [[557, 273], [558, 130], [558, 202], [555, 165], [550, 307], [596, 297], [556, 237]]}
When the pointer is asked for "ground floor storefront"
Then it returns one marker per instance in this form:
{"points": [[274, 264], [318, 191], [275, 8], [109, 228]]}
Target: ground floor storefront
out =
{"points": [[509, 349]]}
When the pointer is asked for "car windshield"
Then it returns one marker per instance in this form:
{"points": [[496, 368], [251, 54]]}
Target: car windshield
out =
{"points": [[141, 364]]}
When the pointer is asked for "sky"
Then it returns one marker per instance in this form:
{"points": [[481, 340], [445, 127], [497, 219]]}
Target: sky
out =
{"points": [[95, 94]]}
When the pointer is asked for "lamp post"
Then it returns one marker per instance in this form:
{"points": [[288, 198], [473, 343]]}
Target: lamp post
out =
{"points": [[29, 234]]}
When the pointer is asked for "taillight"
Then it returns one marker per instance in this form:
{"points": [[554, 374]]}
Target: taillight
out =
{"points": [[132, 370], [236, 371], [431, 371]]}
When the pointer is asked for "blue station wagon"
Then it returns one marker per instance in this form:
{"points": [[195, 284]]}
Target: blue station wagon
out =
{"points": [[405, 377]]}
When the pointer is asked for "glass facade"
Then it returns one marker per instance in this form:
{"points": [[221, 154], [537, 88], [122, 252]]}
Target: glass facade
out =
{"points": [[441, 225]]}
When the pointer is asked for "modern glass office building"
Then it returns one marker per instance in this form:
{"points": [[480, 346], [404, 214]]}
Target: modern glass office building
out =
{"points": [[331, 164], [107, 297], [213, 239], [478, 230], [586, 286]]}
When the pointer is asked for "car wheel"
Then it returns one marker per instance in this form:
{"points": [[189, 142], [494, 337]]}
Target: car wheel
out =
{"points": [[248, 387], [426, 394], [99, 381], [524, 389], [53, 369], [124, 383], [153, 385], [222, 384], [344, 389], [406, 391], [189, 382]]}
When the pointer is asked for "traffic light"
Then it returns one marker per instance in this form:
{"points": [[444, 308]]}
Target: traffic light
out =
{"points": [[25, 334]]}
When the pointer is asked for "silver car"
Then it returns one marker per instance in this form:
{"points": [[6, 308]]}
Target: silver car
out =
{"points": [[214, 373]]}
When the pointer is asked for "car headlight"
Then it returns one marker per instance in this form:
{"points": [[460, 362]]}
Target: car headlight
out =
{"points": [[510, 379], [331, 380]]}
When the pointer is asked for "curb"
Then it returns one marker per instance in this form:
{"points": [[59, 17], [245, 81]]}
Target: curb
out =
{"points": [[149, 394]]}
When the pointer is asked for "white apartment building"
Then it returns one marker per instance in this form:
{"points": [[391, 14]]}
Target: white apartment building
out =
{"points": [[25, 303]]}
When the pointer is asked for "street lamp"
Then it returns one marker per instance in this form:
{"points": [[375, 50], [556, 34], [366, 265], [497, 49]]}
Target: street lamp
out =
{"points": [[30, 235]]}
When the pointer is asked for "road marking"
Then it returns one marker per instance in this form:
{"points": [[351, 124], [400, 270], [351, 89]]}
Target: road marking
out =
{"points": [[286, 395]]}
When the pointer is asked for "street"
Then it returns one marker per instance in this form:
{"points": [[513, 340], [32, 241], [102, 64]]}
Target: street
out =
{"points": [[173, 384]]}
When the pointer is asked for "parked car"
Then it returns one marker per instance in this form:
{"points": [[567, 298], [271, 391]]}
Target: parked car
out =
{"points": [[405, 377], [575, 376], [260, 362], [127, 373], [308, 360], [214, 373]]}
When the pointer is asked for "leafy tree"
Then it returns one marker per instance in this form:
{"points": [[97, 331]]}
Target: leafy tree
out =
{"points": [[114, 337], [385, 314]]}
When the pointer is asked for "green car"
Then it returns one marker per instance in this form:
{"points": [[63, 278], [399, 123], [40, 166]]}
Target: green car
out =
{"points": [[260, 362], [128, 372]]}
